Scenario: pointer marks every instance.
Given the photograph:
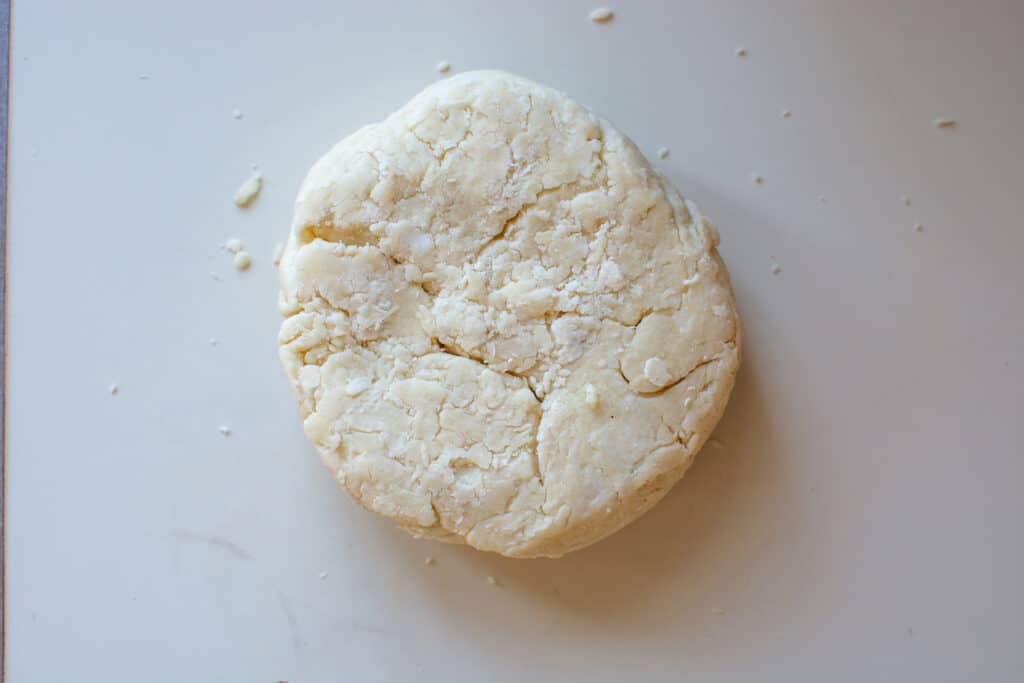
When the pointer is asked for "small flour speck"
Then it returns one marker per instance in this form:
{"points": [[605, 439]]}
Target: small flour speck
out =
{"points": [[757, 178], [243, 260], [278, 253], [918, 227], [905, 199], [236, 113], [663, 152], [224, 430], [943, 122], [491, 580], [601, 15], [323, 575], [786, 113], [213, 341], [443, 67], [249, 190], [741, 52], [234, 245], [428, 561], [776, 269], [114, 389]]}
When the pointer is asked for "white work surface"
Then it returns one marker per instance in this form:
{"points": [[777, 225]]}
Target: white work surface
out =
{"points": [[862, 521]]}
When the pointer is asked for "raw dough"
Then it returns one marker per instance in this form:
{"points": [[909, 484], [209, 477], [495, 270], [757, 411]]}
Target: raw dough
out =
{"points": [[503, 328]]}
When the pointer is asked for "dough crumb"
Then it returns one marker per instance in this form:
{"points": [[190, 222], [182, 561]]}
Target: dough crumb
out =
{"points": [[243, 260], [144, 77], [429, 561], [278, 253], [443, 67], [786, 113], [234, 245], [493, 581], [114, 389], [236, 113], [918, 227], [776, 269], [249, 190], [323, 575], [718, 611], [663, 152], [943, 122], [757, 178], [905, 199], [213, 341], [591, 397], [224, 430], [601, 15], [741, 52]]}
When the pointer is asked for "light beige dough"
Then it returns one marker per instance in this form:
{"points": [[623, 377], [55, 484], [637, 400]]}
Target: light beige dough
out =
{"points": [[503, 327]]}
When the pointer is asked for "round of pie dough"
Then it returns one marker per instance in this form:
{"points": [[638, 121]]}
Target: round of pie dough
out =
{"points": [[503, 326]]}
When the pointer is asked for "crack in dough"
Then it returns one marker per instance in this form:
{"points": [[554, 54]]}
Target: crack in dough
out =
{"points": [[502, 326]]}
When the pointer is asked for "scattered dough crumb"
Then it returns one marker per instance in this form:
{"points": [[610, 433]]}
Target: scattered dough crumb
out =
{"points": [[114, 389], [717, 610], [278, 253], [249, 190], [918, 227], [491, 580], [942, 122], [243, 260], [776, 269], [757, 178], [905, 199], [786, 113], [236, 113], [323, 575], [443, 67], [225, 430], [429, 561], [144, 77], [602, 15], [663, 152], [234, 245], [213, 341], [741, 52], [715, 443]]}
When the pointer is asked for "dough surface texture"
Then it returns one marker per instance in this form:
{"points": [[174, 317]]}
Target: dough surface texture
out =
{"points": [[502, 326]]}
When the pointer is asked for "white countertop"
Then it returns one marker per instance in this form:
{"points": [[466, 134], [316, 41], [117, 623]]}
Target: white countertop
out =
{"points": [[862, 521]]}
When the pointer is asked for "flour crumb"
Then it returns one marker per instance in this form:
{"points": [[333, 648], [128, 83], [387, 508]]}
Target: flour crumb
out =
{"points": [[278, 253], [236, 113], [224, 430], [776, 269], [741, 52], [323, 575], [493, 581], [249, 190], [591, 397], [243, 260], [943, 122], [234, 245], [717, 611], [715, 443], [663, 152], [443, 67], [601, 15], [918, 227], [114, 389], [757, 178], [905, 199], [213, 341], [786, 113], [429, 561]]}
